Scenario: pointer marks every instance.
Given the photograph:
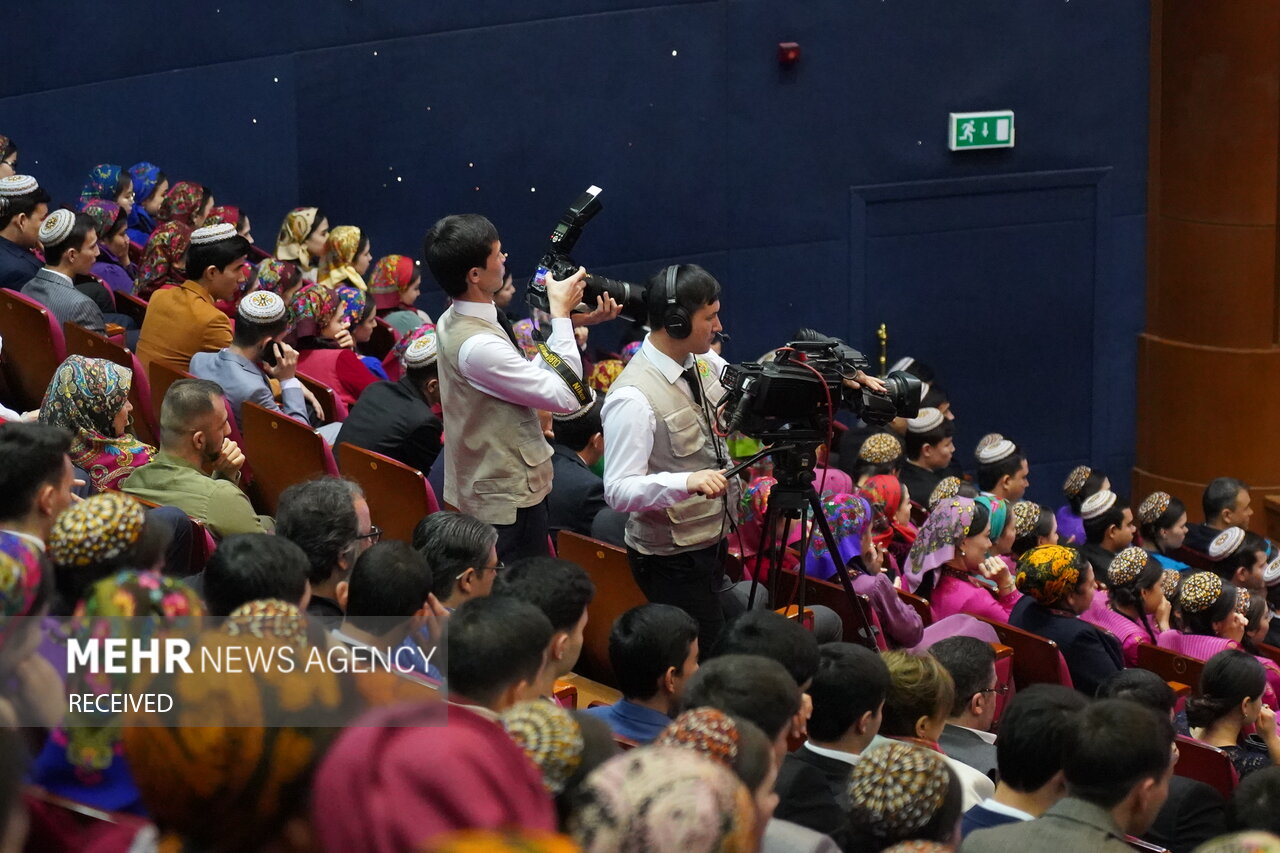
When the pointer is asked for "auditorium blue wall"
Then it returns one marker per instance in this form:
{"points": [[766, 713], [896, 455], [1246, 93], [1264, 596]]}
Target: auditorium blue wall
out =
{"points": [[822, 196]]}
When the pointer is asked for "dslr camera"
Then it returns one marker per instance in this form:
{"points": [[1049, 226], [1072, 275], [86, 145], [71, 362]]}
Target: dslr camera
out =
{"points": [[557, 262]]}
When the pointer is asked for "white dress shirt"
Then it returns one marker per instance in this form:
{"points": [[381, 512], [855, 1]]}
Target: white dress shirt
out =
{"points": [[629, 425], [837, 754], [491, 364]]}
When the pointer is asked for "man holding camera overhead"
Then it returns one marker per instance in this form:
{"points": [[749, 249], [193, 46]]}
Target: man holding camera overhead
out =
{"points": [[497, 462], [665, 464]]}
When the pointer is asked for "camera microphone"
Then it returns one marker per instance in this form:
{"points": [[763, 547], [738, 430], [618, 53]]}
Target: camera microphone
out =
{"points": [[740, 408]]}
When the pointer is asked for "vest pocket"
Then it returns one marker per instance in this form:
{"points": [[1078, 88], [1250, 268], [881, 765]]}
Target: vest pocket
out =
{"points": [[694, 519], [684, 431]]}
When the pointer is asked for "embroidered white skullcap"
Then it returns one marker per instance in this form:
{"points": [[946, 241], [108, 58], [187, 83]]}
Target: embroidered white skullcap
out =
{"points": [[1271, 574], [262, 306], [56, 227], [1097, 503], [1226, 543], [1001, 448], [928, 419], [902, 364], [16, 185], [212, 234], [924, 389], [422, 352]]}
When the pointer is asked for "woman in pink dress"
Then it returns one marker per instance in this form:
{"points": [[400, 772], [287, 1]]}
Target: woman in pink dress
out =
{"points": [[1136, 610], [949, 564]]}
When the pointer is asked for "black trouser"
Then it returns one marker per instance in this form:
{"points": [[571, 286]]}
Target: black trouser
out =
{"points": [[526, 536], [692, 581]]}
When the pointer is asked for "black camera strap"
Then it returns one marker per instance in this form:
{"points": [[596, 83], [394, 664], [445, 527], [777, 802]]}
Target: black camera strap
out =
{"points": [[576, 383]]}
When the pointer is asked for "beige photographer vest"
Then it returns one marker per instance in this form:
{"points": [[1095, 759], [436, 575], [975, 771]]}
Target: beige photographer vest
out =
{"points": [[682, 441], [496, 458]]}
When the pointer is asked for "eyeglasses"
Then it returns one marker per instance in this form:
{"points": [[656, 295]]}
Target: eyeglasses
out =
{"points": [[1002, 689], [496, 567], [374, 535]]}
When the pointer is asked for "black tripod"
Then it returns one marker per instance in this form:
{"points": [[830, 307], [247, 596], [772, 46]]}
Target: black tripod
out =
{"points": [[793, 499]]}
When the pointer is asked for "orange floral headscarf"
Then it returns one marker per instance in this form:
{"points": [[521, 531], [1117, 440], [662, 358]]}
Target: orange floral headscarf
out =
{"points": [[1050, 573]]}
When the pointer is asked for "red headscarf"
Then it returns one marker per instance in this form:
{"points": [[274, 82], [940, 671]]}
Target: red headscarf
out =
{"points": [[884, 491], [401, 776]]}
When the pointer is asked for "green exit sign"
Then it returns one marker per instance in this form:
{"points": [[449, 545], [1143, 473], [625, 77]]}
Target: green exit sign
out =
{"points": [[969, 131]]}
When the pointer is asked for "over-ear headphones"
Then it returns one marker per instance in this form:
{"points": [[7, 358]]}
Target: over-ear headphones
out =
{"points": [[675, 319]]}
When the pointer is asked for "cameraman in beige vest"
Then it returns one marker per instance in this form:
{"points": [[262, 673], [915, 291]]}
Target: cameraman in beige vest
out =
{"points": [[665, 465], [497, 462]]}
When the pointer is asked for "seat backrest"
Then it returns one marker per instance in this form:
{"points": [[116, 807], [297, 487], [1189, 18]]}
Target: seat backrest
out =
{"points": [[282, 452], [162, 376], [330, 403], [1207, 764], [132, 306], [33, 348], [616, 593], [399, 496], [1192, 558], [919, 512], [381, 341], [860, 623], [81, 341], [919, 605], [1170, 665], [1036, 659]]}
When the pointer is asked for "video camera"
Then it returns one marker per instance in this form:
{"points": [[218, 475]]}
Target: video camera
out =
{"points": [[787, 398], [557, 263]]}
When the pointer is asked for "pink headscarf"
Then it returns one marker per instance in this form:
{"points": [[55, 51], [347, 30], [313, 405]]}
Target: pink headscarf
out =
{"points": [[400, 776]]}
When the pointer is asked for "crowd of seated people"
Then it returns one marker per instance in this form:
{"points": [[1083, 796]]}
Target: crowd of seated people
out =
{"points": [[445, 723]]}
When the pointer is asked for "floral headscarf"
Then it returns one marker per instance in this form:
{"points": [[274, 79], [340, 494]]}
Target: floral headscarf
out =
{"points": [[23, 574], [268, 619], [145, 177], [164, 260], [662, 798], [352, 302], [291, 242], [103, 213], [752, 507], [101, 183], [603, 373], [276, 276], [312, 308], [630, 350], [84, 397], [940, 536], [1050, 573], [339, 253], [182, 203], [129, 605], [224, 213], [848, 516], [391, 276], [550, 736], [884, 491]]}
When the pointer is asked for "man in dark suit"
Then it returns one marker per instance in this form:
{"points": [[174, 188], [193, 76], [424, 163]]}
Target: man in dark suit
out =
{"points": [[848, 696], [1117, 761], [577, 501], [395, 418], [1194, 812], [967, 736], [1029, 757]]}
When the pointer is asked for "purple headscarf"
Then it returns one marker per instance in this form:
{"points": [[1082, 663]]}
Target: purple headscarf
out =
{"points": [[940, 534], [848, 516]]}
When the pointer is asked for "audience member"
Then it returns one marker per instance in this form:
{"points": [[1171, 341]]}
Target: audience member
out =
{"points": [[967, 735], [252, 567], [1162, 522], [195, 438], [565, 746], [395, 285], [1002, 468], [385, 602], [1058, 585], [1225, 503], [1108, 529], [33, 695], [901, 793], [162, 262], [949, 562], [302, 238], [407, 774], [562, 591], [1193, 813], [89, 397], [929, 447], [577, 500], [891, 527], [24, 204], [149, 188], [497, 650], [460, 552], [70, 251], [755, 688], [327, 348], [1136, 610], [188, 203], [848, 693], [1032, 525], [257, 351], [397, 419], [182, 321], [329, 519], [1029, 756], [772, 635], [877, 453], [1230, 698], [1240, 557], [917, 703], [1255, 803], [653, 650], [113, 266], [489, 392], [36, 477]]}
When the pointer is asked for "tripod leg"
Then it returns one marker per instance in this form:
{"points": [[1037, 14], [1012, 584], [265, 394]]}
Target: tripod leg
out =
{"points": [[867, 636], [763, 552]]}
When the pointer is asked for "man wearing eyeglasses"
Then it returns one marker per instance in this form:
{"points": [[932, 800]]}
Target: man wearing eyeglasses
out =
{"points": [[967, 736]]}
